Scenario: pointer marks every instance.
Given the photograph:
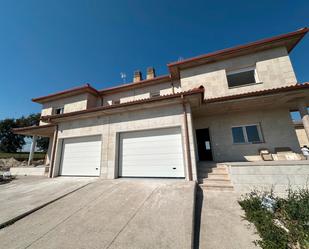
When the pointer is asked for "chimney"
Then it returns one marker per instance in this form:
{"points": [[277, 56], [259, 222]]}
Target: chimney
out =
{"points": [[137, 76], [150, 73]]}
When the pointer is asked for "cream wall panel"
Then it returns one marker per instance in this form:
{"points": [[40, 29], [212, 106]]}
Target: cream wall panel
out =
{"points": [[141, 92], [274, 69], [109, 128], [276, 125]]}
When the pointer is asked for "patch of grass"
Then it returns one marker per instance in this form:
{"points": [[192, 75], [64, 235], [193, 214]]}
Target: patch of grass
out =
{"points": [[21, 156], [282, 225]]}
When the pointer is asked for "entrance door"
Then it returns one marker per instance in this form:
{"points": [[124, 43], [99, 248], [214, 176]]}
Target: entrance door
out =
{"points": [[204, 145]]}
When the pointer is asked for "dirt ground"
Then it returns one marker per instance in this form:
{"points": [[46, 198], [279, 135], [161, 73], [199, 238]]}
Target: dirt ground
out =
{"points": [[7, 163]]}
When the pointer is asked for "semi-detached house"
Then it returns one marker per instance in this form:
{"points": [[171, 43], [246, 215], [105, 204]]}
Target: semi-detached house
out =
{"points": [[222, 106]]}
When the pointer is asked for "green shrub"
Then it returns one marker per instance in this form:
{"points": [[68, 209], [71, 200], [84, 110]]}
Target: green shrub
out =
{"points": [[291, 213]]}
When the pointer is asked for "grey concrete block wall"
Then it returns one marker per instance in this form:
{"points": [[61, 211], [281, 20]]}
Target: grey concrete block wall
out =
{"points": [[278, 176], [276, 125], [273, 67], [142, 92]]}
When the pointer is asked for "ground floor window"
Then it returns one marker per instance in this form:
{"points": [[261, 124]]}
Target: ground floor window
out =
{"points": [[247, 134]]}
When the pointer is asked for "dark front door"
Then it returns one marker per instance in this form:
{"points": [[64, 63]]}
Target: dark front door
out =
{"points": [[204, 145]]}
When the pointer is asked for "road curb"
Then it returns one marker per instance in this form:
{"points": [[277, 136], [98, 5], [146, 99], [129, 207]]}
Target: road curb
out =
{"points": [[25, 214]]}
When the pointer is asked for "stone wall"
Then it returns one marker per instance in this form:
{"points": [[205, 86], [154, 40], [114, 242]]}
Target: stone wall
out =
{"points": [[110, 126], [141, 92], [276, 126], [273, 67], [278, 176]]}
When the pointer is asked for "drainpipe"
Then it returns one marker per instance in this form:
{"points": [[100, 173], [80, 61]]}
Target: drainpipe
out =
{"points": [[52, 161], [187, 139]]}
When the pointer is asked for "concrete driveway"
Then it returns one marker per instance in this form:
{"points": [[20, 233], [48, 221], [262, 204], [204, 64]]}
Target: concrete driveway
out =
{"points": [[220, 223], [111, 214], [25, 194]]}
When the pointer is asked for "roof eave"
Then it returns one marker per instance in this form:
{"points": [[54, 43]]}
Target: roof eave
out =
{"points": [[117, 107], [289, 40], [297, 87], [40, 130], [67, 93]]}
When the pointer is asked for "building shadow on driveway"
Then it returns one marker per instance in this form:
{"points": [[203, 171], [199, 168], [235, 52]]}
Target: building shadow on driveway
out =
{"points": [[198, 214]]}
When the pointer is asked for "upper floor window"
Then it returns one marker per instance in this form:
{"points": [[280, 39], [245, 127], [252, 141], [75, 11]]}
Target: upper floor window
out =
{"points": [[59, 110], [154, 94], [242, 77], [247, 134]]}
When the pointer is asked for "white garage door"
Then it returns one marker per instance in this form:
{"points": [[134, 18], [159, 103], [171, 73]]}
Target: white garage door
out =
{"points": [[81, 156], [152, 153]]}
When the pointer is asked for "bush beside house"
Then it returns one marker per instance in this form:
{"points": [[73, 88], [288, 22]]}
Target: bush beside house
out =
{"points": [[281, 222]]}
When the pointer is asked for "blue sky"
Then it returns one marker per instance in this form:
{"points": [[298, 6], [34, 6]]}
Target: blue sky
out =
{"points": [[48, 46]]}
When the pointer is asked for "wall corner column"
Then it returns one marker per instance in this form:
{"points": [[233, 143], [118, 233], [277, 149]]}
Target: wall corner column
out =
{"points": [[188, 139], [53, 153], [302, 107], [32, 149]]}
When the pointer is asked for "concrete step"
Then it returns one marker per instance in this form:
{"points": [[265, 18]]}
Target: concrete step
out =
{"points": [[214, 182], [217, 188], [220, 170], [213, 176], [204, 169]]}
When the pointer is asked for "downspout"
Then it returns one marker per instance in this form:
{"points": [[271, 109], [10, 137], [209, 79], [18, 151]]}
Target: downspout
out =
{"points": [[187, 139], [52, 161], [173, 88]]}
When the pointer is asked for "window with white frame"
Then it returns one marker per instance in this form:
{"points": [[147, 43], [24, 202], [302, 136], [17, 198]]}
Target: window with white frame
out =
{"points": [[247, 134], [242, 77], [58, 110]]}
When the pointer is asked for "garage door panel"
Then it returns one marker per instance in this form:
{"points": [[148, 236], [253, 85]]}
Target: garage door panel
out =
{"points": [[156, 136], [81, 156], [152, 153], [166, 158], [152, 140], [155, 172]]}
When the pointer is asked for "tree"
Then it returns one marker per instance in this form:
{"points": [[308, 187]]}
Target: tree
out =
{"points": [[34, 119], [42, 143], [10, 142]]}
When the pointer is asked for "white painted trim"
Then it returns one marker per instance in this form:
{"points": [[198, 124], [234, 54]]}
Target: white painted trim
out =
{"points": [[246, 69], [56, 108], [258, 125]]}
